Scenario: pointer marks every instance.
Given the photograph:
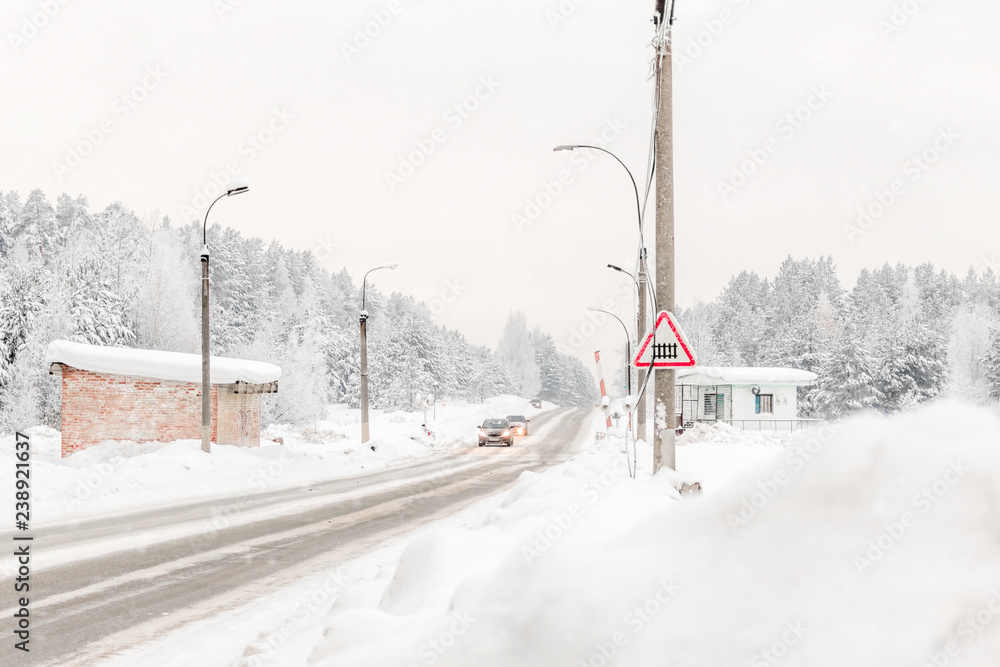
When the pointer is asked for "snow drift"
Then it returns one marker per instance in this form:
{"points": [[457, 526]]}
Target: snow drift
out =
{"points": [[873, 542]]}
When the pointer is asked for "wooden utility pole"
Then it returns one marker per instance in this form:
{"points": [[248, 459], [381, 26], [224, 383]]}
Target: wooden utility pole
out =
{"points": [[664, 413], [640, 415]]}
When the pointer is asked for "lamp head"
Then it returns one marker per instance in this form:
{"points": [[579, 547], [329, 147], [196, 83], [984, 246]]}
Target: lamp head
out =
{"points": [[390, 265], [563, 148], [237, 186]]}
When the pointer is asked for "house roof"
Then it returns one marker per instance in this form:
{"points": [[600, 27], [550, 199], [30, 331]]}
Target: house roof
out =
{"points": [[710, 375], [175, 366]]}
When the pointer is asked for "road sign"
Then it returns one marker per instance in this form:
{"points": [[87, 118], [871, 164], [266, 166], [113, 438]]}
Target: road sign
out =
{"points": [[665, 346]]}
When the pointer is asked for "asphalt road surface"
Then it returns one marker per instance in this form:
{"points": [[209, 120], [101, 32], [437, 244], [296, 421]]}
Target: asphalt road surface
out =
{"points": [[129, 579]]}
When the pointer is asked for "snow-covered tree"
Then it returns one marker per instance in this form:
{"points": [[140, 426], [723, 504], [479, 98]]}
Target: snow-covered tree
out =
{"points": [[516, 352]]}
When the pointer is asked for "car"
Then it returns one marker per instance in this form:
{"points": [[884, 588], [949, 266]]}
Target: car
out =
{"points": [[536, 403], [518, 424], [496, 431]]}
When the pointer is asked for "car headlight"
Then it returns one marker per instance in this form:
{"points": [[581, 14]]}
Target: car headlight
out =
{"points": [[506, 433], [482, 433]]}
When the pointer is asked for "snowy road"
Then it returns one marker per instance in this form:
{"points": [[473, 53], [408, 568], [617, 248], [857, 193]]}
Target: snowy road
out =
{"points": [[107, 585]]}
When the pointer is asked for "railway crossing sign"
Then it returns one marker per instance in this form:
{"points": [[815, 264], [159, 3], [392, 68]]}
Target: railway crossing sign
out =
{"points": [[665, 346]]}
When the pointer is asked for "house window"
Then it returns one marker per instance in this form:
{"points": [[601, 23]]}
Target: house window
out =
{"points": [[709, 406], [765, 403]]}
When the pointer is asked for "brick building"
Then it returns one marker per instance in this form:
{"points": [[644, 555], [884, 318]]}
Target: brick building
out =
{"points": [[146, 395]]}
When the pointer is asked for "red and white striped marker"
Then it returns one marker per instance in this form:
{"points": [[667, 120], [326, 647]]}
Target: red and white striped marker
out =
{"points": [[604, 390]]}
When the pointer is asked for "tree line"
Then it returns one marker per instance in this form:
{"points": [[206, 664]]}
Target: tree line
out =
{"points": [[111, 278], [900, 336]]}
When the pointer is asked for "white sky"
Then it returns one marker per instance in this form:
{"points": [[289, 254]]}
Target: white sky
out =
{"points": [[320, 181]]}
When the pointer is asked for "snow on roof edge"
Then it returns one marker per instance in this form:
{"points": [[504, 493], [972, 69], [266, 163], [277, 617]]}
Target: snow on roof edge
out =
{"points": [[159, 365], [746, 375]]}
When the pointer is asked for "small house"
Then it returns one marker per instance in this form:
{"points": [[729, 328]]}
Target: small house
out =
{"points": [[111, 393], [747, 398]]}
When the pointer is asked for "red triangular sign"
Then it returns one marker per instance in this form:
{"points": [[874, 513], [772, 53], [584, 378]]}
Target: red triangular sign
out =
{"points": [[665, 346]]}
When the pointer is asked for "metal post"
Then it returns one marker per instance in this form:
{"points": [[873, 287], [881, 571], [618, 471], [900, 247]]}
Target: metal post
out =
{"points": [[364, 378], [206, 383], [641, 409], [664, 414]]}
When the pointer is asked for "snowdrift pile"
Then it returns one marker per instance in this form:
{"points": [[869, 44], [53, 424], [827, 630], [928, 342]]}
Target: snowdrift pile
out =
{"points": [[871, 542], [118, 476]]}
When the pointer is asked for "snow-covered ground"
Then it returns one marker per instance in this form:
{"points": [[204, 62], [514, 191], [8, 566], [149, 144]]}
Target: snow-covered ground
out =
{"points": [[123, 476], [869, 542]]}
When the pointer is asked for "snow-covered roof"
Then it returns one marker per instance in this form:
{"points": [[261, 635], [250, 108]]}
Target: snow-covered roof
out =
{"points": [[702, 375], [175, 366]]}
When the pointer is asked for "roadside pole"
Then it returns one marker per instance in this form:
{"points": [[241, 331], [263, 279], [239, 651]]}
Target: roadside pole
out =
{"points": [[664, 414], [364, 377], [640, 415], [206, 384]]}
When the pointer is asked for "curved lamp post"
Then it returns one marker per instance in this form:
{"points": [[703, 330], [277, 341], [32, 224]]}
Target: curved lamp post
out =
{"points": [[628, 349], [635, 284], [364, 351], [237, 186], [635, 188], [641, 281]]}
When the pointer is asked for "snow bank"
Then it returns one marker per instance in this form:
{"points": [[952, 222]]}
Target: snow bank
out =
{"points": [[720, 433], [117, 476], [872, 542], [174, 366]]}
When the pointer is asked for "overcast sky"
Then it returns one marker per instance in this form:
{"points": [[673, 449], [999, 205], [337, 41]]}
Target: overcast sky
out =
{"points": [[145, 102]]}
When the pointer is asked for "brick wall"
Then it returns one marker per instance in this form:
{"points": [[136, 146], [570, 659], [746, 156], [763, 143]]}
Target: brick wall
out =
{"points": [[97, 406], [239, 418]]}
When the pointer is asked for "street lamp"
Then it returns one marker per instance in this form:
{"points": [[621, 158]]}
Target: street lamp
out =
{"points": [[635, 188], [635, 284], [364, 351], [640, 280], [237, 186], [628, 349]]}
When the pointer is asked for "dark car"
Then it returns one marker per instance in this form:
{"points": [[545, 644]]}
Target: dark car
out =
{"points": [[496, 431], [536, 402], [518, 424]]}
